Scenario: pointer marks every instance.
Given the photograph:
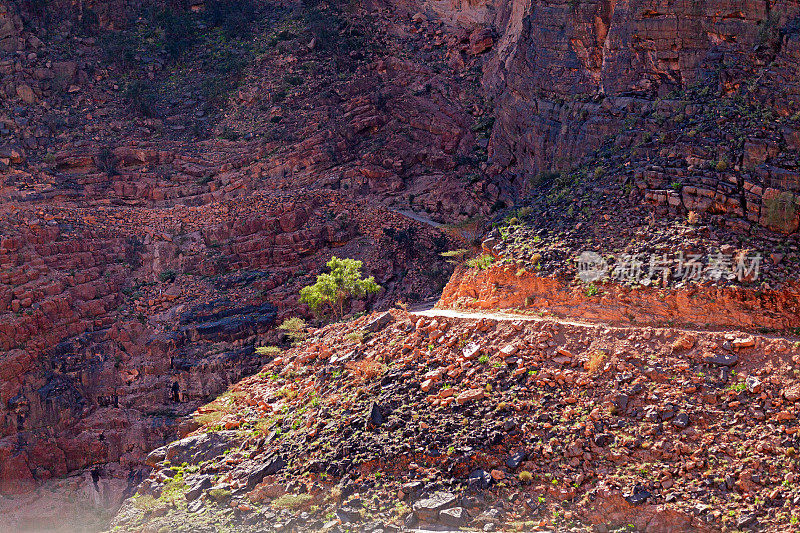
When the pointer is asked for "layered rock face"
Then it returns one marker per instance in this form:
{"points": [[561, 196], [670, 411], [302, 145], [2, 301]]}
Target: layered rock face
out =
{"points": [[550, 53], [110, 335], [504, 288], [141, 264], [146, 249], [565, 76]]}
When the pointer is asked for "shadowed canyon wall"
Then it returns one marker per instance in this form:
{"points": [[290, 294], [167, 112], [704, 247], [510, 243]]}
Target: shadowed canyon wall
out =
{"points": [[84, 382]]}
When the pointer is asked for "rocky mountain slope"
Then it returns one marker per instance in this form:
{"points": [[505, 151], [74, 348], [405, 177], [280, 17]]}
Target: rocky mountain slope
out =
{"points": [[147, 238], [397, 420], [172, 173]]}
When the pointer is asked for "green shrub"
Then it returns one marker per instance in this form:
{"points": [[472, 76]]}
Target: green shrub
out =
{"points": [[144, 502], [544, 178], [174, 490], [219, 495], [482, 262], [355, 336], [454, 256], [295, 328], [142, 97], [291, 501], [107, 161]]}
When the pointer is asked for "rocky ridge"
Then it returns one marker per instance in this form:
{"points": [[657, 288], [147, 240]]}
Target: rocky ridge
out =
{"points": [[394, 420]]}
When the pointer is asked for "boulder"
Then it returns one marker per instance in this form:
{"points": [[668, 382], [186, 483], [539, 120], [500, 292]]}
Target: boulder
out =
{"points": [[470, 395], [722, 359], [26, 94], [380, 322], [197, 448], [453, 517], [428, 509], [480, 40]]}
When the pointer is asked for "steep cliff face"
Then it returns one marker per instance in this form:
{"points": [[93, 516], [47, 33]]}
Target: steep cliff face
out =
{"points": [[111, 336], [567, 77], [149, 238], [553, 57], [146, 250], [88, 15]]}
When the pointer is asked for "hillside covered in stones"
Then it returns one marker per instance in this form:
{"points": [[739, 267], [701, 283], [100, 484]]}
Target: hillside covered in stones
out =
{"points": [[172, 173], [397, 421]]}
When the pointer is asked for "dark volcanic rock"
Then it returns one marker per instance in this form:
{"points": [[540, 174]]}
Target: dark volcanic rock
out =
{"points": [[380, 322], [197, 486], [255, 471], [197, 448], [375, 416], [722, 359], [228, 323], [637, 495], [480, 479], [515, 459]]}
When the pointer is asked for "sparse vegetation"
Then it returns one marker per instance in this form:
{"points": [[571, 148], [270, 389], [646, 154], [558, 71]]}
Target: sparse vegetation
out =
{"points": [[107, 161], [595, 361], [219, 495], [355, 411], [481, 262], [455, 256], [295, 329], [781, 211], [366, 369], [291, 501], [268, 350], [167, 276], [355, 336], [174, 490], [591, 290], [332, 290]]}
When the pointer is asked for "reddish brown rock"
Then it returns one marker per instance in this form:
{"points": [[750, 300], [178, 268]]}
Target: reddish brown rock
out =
{"points": [[470, 396]]}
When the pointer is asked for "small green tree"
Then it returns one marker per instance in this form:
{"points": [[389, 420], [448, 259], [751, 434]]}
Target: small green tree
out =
{"points": [[334, 289]]}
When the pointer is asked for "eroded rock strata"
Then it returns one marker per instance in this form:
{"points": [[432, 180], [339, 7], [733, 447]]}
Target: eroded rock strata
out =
{"points": [[172, 173]]}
